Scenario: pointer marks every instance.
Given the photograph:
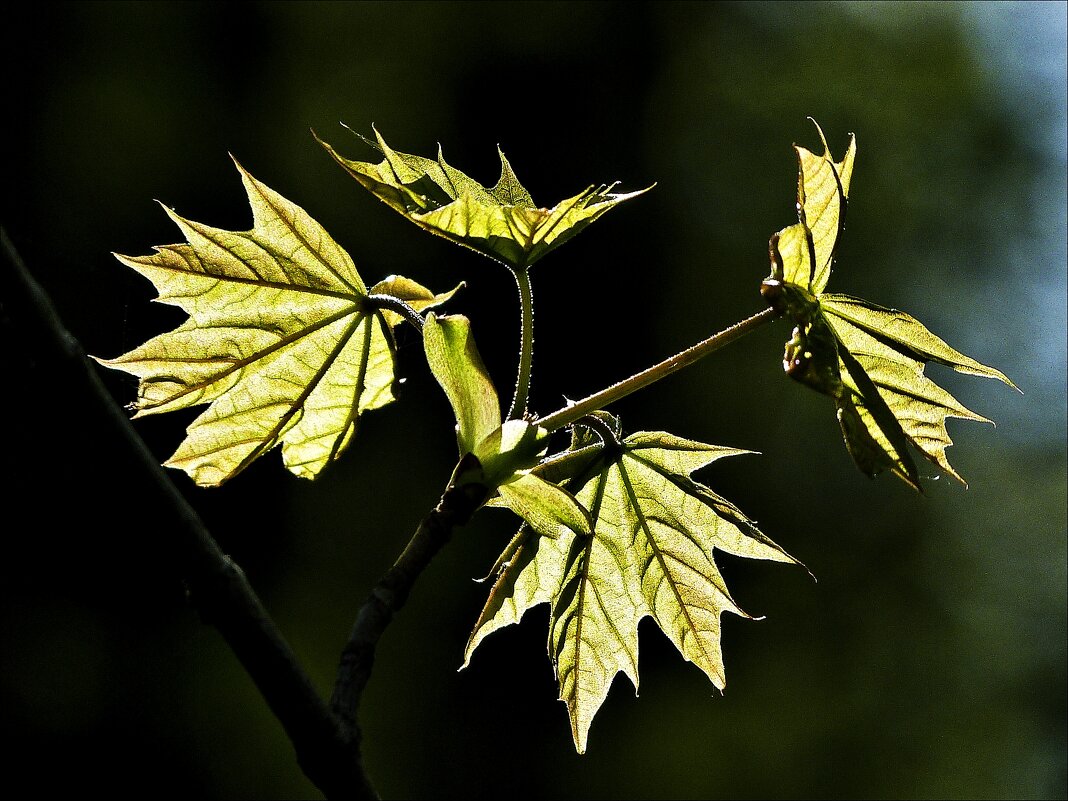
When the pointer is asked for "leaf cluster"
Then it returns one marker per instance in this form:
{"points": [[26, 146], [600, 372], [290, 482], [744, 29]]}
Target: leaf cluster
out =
{"points": [[288, 347]]}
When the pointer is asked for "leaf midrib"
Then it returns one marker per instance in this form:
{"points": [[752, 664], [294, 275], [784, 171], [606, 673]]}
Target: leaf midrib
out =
{"points": [[289, 339], [659, 554]]}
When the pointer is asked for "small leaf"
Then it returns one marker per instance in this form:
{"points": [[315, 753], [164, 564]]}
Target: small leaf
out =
{"points": [[650, 553], [455, 362], [512, 447], [869, 359], [502, 223], [550, 510], [278, 341]]}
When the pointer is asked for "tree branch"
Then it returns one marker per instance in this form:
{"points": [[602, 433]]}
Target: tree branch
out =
{"points": [[457, 505], [327, 751]]}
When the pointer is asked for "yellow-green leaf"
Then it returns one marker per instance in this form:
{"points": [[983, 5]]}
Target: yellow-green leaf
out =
{"points": [[278, 341], [869, 359], [501, 222], [650, 553], [549, 509], [515, 446], [456, 364]]}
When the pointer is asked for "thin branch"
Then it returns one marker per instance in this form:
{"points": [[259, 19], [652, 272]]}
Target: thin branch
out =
{"points": [[457, 505], [327, 752], [598, 400]]}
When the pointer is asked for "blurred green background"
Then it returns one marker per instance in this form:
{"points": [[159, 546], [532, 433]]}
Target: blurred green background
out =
{"points": [[929, 658]]}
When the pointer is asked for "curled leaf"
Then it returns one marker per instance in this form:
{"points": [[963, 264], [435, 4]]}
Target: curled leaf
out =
{"points": [[501, 222], [869, 359], [456, 364], [411, 292]]}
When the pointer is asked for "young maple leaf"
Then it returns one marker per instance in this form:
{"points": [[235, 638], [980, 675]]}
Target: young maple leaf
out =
{"points": [[501, 222], [497, 456], [650, 553], [280, 340], [868, 358]]}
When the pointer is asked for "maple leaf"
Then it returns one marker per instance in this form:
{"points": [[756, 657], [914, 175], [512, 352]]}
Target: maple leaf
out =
{"points": [[501, 222], [868, 358], [281, 341], [650, 553]]}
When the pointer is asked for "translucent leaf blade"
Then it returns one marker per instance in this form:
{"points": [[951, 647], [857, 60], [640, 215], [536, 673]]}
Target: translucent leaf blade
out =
{"points": [[593, 625], [411, 292], [502, 222], [823, 191], [868, 358], [277, 342], [651, 553], [907, 332], [456, 364], [523, 579], [550, 510]]}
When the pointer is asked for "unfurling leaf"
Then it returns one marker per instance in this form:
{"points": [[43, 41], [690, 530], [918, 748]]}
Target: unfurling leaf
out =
{"points": [[456, 364], [279, 341], [497, 456], [650, 552], [869, 359], [501, 222]]}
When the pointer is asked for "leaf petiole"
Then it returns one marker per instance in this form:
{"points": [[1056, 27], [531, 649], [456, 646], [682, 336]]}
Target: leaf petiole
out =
{"points": [[598, 423], [396, 305], [573, 412], [526, 347]]}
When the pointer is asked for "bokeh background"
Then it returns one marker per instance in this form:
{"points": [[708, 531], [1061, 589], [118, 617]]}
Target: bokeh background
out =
{"points": [[928, 660]]}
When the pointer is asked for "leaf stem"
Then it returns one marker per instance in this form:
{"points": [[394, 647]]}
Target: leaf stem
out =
{"points": [[457, 505], [399, 306], [526, 348], [570, 414]]}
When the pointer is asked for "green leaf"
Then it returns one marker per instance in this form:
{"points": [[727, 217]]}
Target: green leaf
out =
{"points": [[514, 446], [650, 553], [498, 456], [455, 362], [502, 222], [550, 510], [869, 359], [278, 341]]}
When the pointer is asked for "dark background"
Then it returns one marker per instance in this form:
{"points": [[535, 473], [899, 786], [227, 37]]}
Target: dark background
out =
{"points": [[929, 658]]}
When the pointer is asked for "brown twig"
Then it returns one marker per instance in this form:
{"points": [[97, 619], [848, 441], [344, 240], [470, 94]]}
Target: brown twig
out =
{"points": [[389, 595]]}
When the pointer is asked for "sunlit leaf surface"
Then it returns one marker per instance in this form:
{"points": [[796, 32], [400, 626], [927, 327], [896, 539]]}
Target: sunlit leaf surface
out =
{"points": [[650, 554], [279, 340], [869, 359], [501, 222]]}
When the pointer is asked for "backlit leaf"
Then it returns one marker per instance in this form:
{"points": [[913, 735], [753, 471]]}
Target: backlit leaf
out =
{"points": [[869, 359], [501, 222], [279, 341], [650, 554], [498, 456], [414, 294], [456, 364]]}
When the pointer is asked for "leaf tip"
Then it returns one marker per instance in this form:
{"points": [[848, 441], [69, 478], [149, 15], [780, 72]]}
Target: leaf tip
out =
{"points": [[823, 139]]}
